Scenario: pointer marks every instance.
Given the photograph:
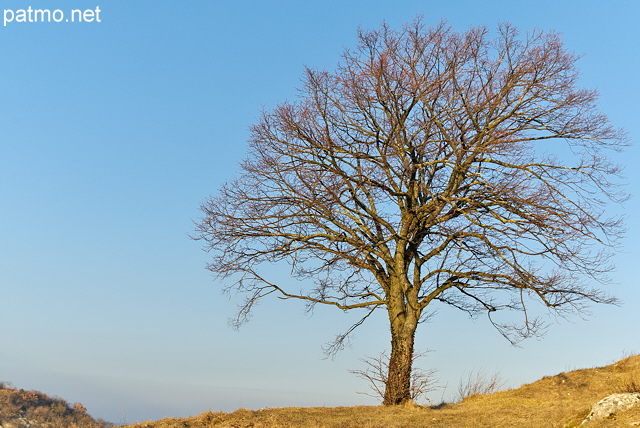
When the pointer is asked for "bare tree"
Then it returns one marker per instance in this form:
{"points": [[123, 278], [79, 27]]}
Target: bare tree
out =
{"points": [[430, 166]]}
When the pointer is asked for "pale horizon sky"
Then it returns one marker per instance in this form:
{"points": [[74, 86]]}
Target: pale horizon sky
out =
{"points": [[114, 132]]}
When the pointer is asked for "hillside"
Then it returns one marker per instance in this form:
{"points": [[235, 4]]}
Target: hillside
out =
{"points": [[563, 400], [20, 408]]}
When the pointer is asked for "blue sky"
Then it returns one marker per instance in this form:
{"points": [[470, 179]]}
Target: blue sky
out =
{"points": [[113, 132]]}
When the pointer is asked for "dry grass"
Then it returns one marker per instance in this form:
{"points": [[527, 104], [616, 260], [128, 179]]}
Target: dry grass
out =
{"points": [[561, 401]]}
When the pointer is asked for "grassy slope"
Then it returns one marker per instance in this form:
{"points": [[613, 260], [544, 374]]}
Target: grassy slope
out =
{"points": [[18, 406], [556, 401]]}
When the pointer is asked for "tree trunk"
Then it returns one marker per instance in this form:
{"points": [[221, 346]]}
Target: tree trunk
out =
{"points": [[398, 386]]}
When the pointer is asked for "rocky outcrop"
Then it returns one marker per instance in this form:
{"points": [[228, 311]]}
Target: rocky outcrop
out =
{"points": [[612, 404], [17, 423]]}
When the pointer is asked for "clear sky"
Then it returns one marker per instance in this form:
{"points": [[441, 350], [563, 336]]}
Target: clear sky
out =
{"points": [[113, 132]]}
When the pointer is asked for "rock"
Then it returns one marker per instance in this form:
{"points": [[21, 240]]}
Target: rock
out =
{"points": [[612, 404], [16, 423]]}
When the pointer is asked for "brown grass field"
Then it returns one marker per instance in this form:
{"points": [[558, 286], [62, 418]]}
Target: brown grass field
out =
{"points": [[554, 401]]}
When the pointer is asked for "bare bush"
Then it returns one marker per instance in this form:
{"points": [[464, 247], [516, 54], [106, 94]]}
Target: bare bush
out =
{"points": [[377, 374], [479, 382]]}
